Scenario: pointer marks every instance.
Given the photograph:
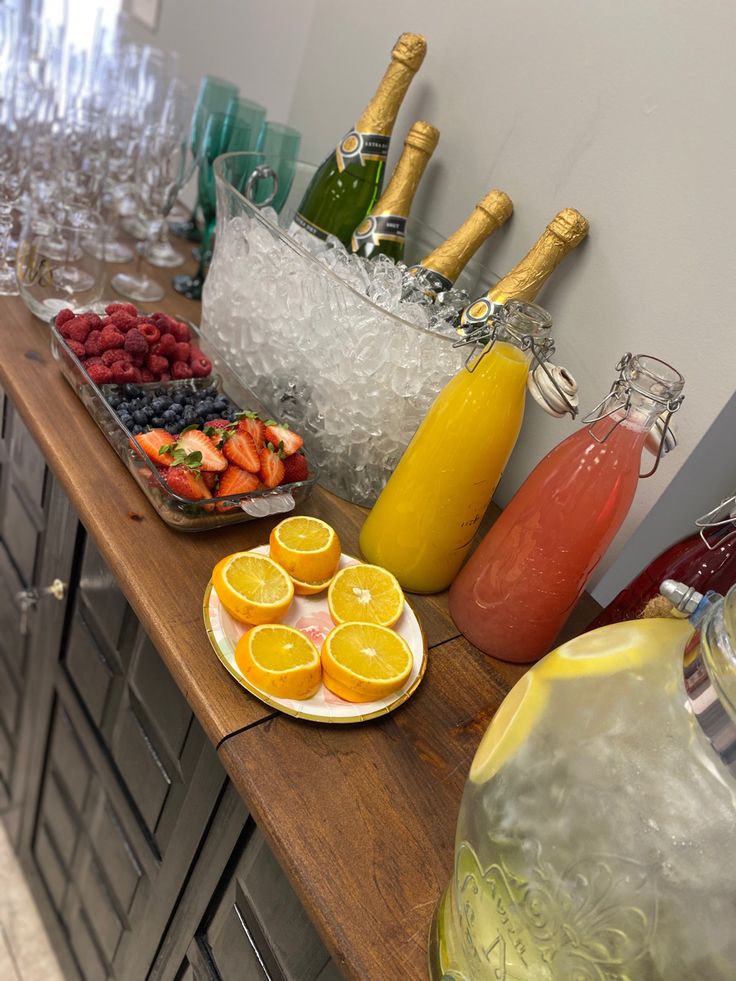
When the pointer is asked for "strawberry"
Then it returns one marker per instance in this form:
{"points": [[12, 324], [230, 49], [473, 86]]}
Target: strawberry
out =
{"points": [[210, 478], [153, 442], [219, 430], [295, 469], [194, 441], [241, 450], [235, 481], [250, 423], [272, 466], [289, 441], [185, 482]]}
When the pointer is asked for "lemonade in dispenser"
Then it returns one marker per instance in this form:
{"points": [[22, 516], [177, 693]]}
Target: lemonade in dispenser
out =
{"points": [[598, 822]]}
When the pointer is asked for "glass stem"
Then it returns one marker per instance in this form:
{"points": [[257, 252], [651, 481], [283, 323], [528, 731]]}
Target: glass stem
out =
{"points": [[204, 249], [6, 227]]}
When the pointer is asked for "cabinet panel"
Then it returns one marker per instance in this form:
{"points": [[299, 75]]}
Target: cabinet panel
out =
{"points": [[90, 669], [20, 533], [27, 464]]}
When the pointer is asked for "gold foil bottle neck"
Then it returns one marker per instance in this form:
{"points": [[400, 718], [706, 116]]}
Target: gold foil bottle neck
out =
{"points": [[564, 233], [410, 50], [449, 258], [423, 136], [419, 146], [379, 115]]}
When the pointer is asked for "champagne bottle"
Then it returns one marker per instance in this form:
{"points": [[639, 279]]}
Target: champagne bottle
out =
{"points": [[438, 271], [346, 185], [566, 230], [383, 232]]}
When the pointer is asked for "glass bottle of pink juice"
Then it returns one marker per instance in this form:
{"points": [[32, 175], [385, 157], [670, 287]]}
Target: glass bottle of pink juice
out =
{"points": [[514, 594]]}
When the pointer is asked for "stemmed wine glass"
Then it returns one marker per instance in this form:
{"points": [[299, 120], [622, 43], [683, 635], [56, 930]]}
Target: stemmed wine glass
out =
{"points": [[163, 166], [214, 95], [235, 130]]}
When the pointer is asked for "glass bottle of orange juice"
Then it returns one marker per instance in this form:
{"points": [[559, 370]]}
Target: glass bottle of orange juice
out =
{"points": [[422, 524]]}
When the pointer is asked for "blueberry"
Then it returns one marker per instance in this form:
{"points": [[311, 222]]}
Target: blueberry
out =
{"points": [[140, 417], [176, 409], [125, 418], [172, 428], [137, 430], [158, 422], [168, 416]]}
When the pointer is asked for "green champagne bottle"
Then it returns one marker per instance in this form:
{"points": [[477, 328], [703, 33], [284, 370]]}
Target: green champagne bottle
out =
{"points": [[438, 271], [383, 231], [345, 187]]}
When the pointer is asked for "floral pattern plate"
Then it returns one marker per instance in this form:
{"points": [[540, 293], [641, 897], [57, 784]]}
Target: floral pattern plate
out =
{"points": [[311, 615]]}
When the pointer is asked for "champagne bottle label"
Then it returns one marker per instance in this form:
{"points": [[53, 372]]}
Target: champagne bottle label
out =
{"points": [[356, 147], [379, 228], [299, 221], [429, 279]]}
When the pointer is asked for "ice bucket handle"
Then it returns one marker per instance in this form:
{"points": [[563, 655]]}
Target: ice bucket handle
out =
{"points": [[262, 172]]}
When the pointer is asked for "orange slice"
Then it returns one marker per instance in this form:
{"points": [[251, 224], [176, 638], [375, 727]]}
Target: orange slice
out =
{"points": [[280, 661], [310, 588], [362, 662], [366, 593], [252, 587], [306, 547]]}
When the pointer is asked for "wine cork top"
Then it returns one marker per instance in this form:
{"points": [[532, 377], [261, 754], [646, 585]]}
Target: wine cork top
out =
{"points": [[410, 50], [569, 226], [497, 205], [422, 136]]}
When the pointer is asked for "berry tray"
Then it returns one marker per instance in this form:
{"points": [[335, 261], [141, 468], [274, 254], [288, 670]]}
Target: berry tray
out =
{"points": [[222, 384]]}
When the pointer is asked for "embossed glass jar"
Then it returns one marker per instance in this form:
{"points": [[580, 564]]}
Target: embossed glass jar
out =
{"points": [[598, 822]]}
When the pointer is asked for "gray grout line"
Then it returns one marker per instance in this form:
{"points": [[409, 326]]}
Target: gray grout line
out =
{"points": [[9, 948]]}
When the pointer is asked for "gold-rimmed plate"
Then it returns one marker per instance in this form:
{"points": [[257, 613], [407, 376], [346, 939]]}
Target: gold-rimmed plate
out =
{"points": [[311, 615]]}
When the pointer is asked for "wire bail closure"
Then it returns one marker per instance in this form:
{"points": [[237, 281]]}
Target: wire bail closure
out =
{"points": [[486, 332], [722, 514], [619, 398]]}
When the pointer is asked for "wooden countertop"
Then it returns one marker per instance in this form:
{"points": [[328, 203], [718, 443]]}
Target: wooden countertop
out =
{"points": [[361, 817]]}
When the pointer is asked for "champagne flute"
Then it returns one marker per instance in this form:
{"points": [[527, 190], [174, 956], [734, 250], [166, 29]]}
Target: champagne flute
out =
{"points": [[223, 134], [214, 95], [279, 145]]}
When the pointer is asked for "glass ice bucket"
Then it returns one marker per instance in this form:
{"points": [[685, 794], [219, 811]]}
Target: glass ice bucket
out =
{"points": [[598, 824], [355, 379]]}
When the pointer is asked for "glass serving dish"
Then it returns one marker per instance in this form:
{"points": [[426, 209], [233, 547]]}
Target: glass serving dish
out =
{"points": [[306, 338], [179, 512]]}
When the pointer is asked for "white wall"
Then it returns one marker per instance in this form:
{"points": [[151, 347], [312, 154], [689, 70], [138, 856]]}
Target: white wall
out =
{"points": [[620, 108]]}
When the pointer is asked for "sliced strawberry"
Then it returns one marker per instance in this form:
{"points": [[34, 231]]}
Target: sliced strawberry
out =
{"points": [[219, 430], [272, 466], [241, 450], [235, 481], [250, 423], [210, 479], [295, 469], [186, 483], [280, 435], [153, 442], [195, 441]]}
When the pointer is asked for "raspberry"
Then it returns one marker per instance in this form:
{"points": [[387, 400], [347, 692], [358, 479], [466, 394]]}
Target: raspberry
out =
{"points": [[110, 337], [123, 372], [165, 376], [76, 330], [92, 320], [295, 469], [157, 364], [135, 342], [180, 370], [183, 352], [167, 348], [112, 308], [179, 330], [201, 366], [92, 345], [150, 332], [94, 360], [99, 373], [147, 376], [63, 315], [162, 320], [137, 375], [114, 355], [76, 347], [123, 321]]}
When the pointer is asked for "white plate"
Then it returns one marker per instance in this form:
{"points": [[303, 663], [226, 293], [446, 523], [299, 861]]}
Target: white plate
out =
{"points": [[311, 615]]}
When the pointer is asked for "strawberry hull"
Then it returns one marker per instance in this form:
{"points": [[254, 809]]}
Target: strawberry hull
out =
{"points": [[175, 510]]}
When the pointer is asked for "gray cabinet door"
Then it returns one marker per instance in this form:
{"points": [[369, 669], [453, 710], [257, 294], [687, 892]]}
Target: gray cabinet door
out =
{"points": [[129, 786]]}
